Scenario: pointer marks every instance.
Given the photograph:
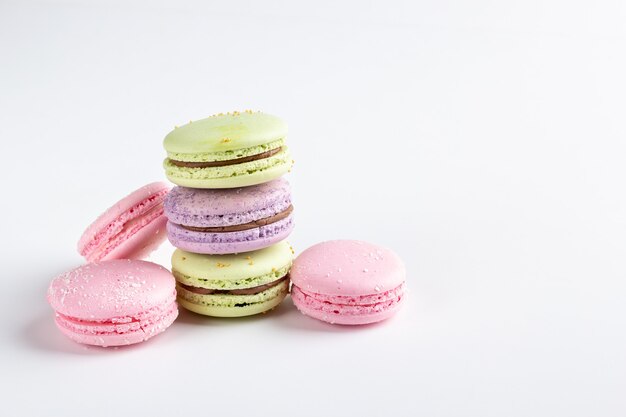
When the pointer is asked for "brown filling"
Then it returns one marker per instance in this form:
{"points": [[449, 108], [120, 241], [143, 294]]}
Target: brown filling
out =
{"points": [[225, 163], [243, 291], [245, 226]]}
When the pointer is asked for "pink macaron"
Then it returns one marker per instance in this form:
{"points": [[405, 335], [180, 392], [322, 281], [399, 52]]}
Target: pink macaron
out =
{"points": [[114, 303], [130, 229], [348, 282]]}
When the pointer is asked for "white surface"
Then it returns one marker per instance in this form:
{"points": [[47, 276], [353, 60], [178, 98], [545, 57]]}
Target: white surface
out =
{"points": [[483, 141]]}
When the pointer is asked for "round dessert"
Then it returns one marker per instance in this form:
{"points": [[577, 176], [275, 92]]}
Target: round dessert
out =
{"points": [[229, 221], [348, 282], [114, 303], [130, 229], [227, 151], [233, 285]]}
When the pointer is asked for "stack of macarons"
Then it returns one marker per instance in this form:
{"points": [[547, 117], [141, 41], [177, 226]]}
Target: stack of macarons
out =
{"points": [[228, 217], [230, 213]]}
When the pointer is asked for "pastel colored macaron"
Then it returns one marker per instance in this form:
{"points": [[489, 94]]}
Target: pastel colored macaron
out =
{"points": [[227, 151], [233, 285], [114, 303], [130, 229], [348, 282], [229, 221]]}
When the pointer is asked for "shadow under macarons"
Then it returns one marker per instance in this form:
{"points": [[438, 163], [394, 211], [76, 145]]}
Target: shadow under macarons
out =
{"points": [[285, 315]]}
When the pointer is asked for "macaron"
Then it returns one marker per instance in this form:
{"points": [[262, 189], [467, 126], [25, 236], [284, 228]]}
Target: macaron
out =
{"points": [[348, 282], [229, 221], [227, 151], [130, 229], [114, 303], [233, 285]]}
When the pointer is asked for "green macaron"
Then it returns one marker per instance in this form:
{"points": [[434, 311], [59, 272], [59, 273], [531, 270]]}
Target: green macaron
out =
{"points": [[233, 285], [227, 151]]}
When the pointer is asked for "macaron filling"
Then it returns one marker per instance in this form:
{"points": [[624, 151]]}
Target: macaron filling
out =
{"points": [[281, 158], [226, 155], [244, 226], [229, 242], [382, 298], [243, 291], [210, 164], [275, 292]]}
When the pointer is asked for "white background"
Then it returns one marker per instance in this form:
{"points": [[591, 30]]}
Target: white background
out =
{"points": [[483, 141]]}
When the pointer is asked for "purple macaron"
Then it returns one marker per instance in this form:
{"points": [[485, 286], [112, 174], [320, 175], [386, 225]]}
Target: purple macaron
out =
{"points": [[220, 221]]}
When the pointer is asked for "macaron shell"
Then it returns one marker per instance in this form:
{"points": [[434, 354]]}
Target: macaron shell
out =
{"points": [[230, 242], [225, 132], [111, 289], [231, 176], [219, 207], [233, 305], [347, 268], [233, 267]]}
